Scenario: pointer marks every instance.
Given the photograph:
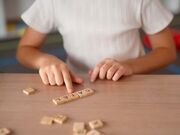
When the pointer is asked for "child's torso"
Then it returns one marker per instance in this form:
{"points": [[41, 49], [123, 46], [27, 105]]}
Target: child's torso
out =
{"points": [[96, 29]]}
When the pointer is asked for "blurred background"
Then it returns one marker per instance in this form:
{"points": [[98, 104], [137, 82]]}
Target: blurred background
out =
{"points": [[12, 28]]}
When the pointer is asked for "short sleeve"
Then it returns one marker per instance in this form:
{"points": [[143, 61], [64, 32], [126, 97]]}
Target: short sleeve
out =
{"points": [[155, 17], [40, 16]]}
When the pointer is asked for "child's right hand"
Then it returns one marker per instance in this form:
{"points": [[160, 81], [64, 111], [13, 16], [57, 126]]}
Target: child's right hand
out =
{"points": [[56, 72], [52, 70]]}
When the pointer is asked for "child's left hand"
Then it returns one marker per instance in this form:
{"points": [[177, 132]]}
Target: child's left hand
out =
{"points": [[110, 69]]}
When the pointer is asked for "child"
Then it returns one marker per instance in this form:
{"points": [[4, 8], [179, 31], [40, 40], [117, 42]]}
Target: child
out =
{"points": [[100, 36]]}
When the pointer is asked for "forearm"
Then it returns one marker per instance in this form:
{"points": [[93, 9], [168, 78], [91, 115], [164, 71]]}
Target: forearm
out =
{"points": [[32, 57], [156, 59]]}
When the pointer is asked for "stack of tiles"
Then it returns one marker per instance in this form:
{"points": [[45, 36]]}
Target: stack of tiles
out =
{"points": [[74, 96]]}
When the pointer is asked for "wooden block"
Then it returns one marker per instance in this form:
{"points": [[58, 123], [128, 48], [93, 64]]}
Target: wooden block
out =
{"points": [[80, 133], [29, 91], [85, 92], [88, 90], [96, 124], [46, 120], [60, 119], [79, 93], [58, 101], [74, 96], [66, 98], [4, 131], [93, 132], [79, 127]]}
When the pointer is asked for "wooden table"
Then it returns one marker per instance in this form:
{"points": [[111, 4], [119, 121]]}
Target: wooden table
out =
{"points": [[138, 105]]}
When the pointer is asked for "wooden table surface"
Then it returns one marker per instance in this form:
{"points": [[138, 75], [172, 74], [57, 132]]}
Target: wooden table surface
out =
{"points": [[138, 105]]}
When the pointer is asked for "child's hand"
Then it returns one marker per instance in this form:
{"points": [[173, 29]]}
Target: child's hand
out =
{"points": [[56, 72], [110, 69]]}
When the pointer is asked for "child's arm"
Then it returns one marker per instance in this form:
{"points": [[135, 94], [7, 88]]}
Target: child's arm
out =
{"points": [[163, 52], [52, 70]]}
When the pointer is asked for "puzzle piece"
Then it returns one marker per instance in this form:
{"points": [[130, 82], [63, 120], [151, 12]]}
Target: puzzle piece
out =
{"points": [[93, 132], [74, 96], [29, 91], [46, 120], [60, 119], [4, 131], [96, 124]]}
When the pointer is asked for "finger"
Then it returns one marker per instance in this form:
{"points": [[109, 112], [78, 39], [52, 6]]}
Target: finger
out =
{"points": [[103, 70], [112, 70], [90, 72], [58, 76], [95, 72], [44, 77], [51, 78], [76, 79], [67, 80], [118, 74]]}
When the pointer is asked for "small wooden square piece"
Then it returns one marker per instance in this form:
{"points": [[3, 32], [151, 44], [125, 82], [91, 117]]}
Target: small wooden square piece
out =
{"points": [[96, 124], [79, 127], [85, 92], [74, 96], [29, 91], [80, 133], [46, 120], [93, 132], [58, 101], [60, 119]]}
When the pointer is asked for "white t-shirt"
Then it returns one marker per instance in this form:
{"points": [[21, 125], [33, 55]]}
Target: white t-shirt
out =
{"points": [[96, 29]]}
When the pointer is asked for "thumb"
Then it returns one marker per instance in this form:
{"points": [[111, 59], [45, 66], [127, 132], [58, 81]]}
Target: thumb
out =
{"points": [[90, 72], [76, 79]]}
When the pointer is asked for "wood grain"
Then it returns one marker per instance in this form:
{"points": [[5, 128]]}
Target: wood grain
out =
{"points": [[137, 105]]}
